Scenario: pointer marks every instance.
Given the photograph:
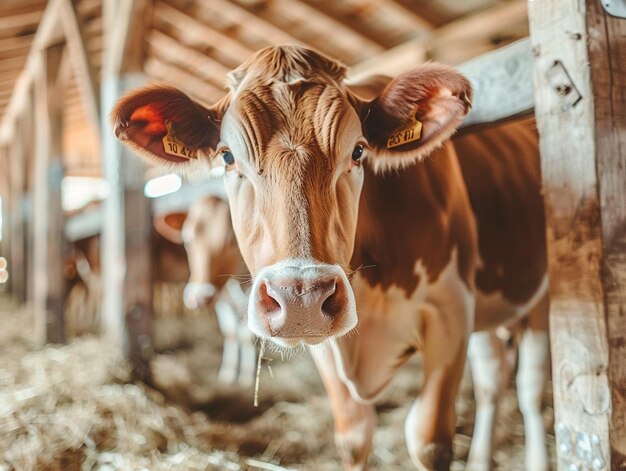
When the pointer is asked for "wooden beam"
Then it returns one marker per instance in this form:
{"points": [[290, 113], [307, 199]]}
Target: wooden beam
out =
{"points": [[17, 225], [248, 24], [14, 64], [17, 44], [174, 75], [83, 69], [173, 52], [388, 23], [463, 39], [296, 16], [127, 275], [502, 82], [46, 33], [188, 26], [49, 243], [394, 61], [456, 42], [16, 24], [580, 77], [128, 25]]}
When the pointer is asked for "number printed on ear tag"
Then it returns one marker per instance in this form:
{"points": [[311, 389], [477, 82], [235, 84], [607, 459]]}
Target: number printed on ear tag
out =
{"points": [[173, 146], [404, 136]]}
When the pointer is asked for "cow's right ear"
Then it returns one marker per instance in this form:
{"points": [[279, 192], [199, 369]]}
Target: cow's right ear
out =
{"points": [[166, 126], [170, 226]]}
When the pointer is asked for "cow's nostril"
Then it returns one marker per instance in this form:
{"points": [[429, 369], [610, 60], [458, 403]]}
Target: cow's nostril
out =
{"points": [[336, 301], [267, 303]]}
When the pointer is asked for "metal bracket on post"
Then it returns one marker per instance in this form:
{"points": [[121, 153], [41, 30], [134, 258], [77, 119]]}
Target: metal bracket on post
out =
{"points": [[561, 82]]}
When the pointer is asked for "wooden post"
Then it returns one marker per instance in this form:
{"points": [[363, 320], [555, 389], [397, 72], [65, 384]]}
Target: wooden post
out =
{"points": [[17, 259], [49, 241], [126, 250], [5, 203], [580, 79]]}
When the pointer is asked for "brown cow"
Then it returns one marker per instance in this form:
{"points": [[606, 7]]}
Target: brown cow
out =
{"points": [[322, 182], [216, 273]]}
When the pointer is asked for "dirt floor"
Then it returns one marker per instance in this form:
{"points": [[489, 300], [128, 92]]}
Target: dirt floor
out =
{"points": [[72, 407]]}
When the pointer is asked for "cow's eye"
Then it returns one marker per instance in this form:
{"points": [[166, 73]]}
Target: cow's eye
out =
{"points": [[357, 153], [229, 158]]}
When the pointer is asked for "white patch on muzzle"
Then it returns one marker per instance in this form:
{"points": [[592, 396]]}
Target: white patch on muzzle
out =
{"points": [[197, 295]]}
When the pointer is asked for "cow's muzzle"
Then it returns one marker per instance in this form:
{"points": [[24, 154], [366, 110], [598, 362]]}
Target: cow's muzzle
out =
{"points": [[300, 301], [198, 295]]}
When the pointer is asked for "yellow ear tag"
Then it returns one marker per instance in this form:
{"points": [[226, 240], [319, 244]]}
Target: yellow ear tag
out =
{"points": [[173, 146], [410, 134]]}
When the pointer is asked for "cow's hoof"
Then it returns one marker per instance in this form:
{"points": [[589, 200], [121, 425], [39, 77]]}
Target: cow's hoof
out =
{"points": [[435, 457]]}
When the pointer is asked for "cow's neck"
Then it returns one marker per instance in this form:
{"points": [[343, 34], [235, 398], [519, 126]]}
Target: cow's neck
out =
{"points": [[418, 215]]}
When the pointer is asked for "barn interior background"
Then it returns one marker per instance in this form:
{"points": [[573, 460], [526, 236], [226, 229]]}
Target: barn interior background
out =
{"points": [[89, 279]]}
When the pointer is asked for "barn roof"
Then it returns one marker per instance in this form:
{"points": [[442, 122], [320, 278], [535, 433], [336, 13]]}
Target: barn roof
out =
{"points": [[193, 43]]}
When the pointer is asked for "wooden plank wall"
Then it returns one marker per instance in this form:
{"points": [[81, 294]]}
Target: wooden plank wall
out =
{"points": [[580, 91]]}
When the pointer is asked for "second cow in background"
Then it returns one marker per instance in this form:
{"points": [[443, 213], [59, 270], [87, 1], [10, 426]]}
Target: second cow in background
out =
{"points": [[217, 274]]}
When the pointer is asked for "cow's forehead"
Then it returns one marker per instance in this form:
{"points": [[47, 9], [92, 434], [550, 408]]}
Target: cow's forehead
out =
{"points": [[301, 119]]}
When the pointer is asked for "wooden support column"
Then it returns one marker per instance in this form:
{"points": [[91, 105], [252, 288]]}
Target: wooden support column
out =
{"points": [[5, 203], [16, 223], [49, 240], [580, 95], [127, 229]]}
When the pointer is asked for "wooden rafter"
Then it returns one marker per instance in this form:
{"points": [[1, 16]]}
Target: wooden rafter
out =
{"points": [[45, 33], [197, 88], [193, 30], [385, 21], [12, 24], [457, 36], [173, 52], [313, 27], [126, 25], [247, 23], [15, 45], [492, 24], [83, 69], [15, 64]]}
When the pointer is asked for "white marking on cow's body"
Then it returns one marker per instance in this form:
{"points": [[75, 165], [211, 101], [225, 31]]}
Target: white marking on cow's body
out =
{"points": [[390, 324], [194, 293], [492, 364], [533, 365], [493, 310], [239, 354]]}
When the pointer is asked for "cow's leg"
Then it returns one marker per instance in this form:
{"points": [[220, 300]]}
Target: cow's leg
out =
{"points": [[430, 425], [490, 373], [228, 320], [247, 354], [531, 372], [354, 421]]}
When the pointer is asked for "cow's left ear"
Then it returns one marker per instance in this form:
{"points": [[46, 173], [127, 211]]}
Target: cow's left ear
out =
{"points": [[166, 126], [170, 226], [415, 113]]}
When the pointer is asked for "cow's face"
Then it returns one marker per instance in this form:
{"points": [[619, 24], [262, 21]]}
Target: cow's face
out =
{"points": [[212, 252], [294, 138]]}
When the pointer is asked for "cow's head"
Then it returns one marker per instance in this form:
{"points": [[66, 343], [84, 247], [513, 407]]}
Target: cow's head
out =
{"points": [[212, 252], [294, 137]]}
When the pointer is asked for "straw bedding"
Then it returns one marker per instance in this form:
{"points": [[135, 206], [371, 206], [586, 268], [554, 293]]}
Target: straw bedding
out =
{"points": [[72, 407]]}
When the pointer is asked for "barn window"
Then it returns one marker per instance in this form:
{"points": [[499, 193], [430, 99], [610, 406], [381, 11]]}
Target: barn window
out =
{"points": [[163, 185]]}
